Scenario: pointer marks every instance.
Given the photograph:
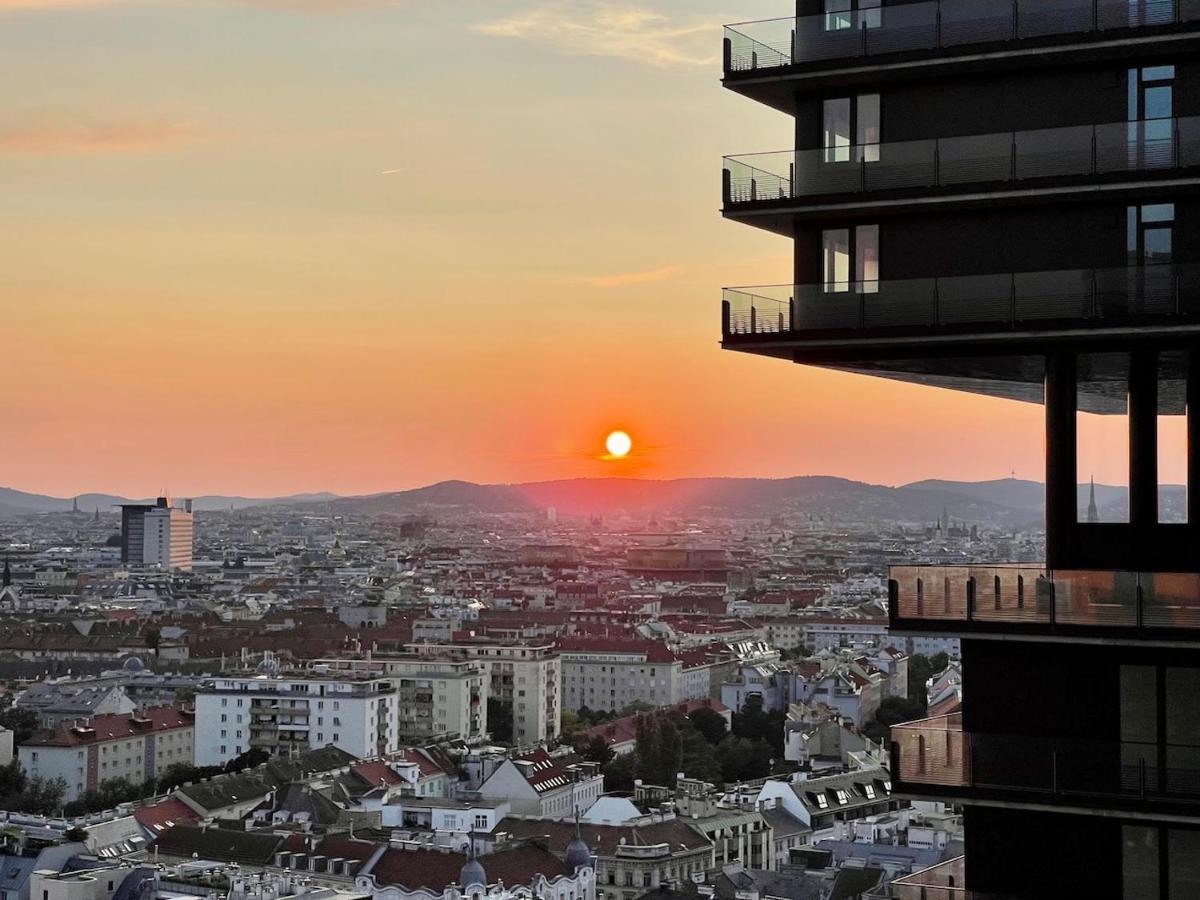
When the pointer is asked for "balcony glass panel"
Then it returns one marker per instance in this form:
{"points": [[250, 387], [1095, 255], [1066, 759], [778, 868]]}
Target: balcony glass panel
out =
{"points": [[843, 33], [1020, 157], [1078, 297], [1036, 595], [937, 752]]}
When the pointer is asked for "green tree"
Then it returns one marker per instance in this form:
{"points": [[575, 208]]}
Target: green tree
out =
{"points": [[23, 723], [619, 773], [597, 750], [920, 670], [710, 723], [153, 638], [500, 720], [569, 724], [892, 711], [255, 756]]}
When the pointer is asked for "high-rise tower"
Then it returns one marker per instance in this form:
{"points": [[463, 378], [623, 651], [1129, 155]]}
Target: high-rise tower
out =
{"points": [[1003, 197], [158, 535]]}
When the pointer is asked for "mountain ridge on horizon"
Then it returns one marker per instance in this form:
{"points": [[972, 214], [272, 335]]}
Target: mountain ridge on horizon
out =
{"points": [[1009, 501]]}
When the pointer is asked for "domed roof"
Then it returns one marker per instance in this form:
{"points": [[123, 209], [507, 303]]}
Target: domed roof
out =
{"points": [[133, 664], [472, 874], [578, 854]]}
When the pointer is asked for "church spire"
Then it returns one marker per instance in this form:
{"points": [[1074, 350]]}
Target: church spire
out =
{"points": [[7, 578], [1093, 514]]}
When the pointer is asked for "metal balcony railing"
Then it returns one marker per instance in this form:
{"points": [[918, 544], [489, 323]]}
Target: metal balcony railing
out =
{"points": [[937, 752], [1006, 300], [1036, 595], [935, 25], [1109, 149]]}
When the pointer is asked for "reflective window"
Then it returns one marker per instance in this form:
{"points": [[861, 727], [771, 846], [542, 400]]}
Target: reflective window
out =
{"points": [[836, 252], [1172, 436], [866, 258], [1139, 862], [836, 130], [1102, 450]]}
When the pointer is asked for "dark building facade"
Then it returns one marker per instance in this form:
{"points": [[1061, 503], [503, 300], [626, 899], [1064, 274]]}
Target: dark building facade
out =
{"points": [[1003, 197]]}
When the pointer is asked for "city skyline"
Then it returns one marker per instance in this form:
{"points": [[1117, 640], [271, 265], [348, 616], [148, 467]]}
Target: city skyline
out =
{"points": [[383, 245]]}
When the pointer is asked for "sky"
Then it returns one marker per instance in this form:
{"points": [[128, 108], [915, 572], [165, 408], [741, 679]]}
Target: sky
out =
{"points": [[271, 246]]}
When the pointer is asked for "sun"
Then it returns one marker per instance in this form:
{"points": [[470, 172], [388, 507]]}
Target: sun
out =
{"points": [[618, 444]]}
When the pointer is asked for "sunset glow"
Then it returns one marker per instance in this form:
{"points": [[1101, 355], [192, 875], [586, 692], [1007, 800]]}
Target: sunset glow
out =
{"points": [[538, 259]]}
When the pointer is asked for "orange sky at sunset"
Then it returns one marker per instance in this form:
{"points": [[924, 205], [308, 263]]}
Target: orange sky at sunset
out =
{"points": [[209, 286]]}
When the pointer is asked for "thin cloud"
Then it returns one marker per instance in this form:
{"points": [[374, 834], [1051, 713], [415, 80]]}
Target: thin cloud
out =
{"points": [[625, 278], [611, 29], [43, 136]]}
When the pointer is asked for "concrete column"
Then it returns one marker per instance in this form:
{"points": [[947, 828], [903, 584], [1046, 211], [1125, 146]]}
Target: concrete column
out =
{"points": [[1143, 440], [1061, 480]]}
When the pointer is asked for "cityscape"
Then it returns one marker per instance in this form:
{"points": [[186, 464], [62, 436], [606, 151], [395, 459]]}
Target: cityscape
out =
{"points": [[641, 660]]}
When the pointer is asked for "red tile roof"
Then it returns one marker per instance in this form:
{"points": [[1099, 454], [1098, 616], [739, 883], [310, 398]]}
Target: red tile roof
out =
{"points": [[158, 818], [375, 771], [101, 729], [544, 774], [429, 769]]}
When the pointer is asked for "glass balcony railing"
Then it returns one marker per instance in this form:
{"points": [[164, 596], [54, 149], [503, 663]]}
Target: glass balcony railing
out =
{"points": [[938, 753], [1074, 297], [1039, 596], [946, 881], [1110, 149], [937, 25]]}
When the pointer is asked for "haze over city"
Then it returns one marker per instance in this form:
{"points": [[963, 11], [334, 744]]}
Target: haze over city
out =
{"points": [[368, 246]]}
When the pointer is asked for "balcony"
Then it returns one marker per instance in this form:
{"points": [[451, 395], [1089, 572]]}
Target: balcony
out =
{"points": [[771, 189], [946, 881], [936, 30], [936, 757], [1035, 600]]}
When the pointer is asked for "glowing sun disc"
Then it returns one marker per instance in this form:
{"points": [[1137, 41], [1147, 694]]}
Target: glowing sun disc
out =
{"points": [[618, 444]]}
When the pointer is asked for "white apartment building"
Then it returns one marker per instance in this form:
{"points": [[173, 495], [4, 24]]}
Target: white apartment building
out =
{"points": [[286, 715], [535, 785], [438, 699], [604, 674], [134, 747], [527, 675]]}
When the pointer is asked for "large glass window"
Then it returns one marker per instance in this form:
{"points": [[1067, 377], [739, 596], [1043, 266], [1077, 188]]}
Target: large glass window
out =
{"points": [[867, 127], [1182, 731], [1102, 450], [850, 129], [1139, 862], [1151, 107], [835, 245], [1172, 436], [843, 15], [850, 259], [1183, 864], [836, 130], [866, 258]]}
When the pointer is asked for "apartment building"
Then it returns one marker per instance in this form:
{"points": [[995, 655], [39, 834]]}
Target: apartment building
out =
{"points": [[1001, 199], [523, 674], [438, 699], [135, 747], [290, 714], [535, 784], [606, 674]]}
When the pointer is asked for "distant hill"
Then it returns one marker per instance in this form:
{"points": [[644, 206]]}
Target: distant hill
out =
{"points": [[816, 495], [14, 502], [1009, 502]]}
